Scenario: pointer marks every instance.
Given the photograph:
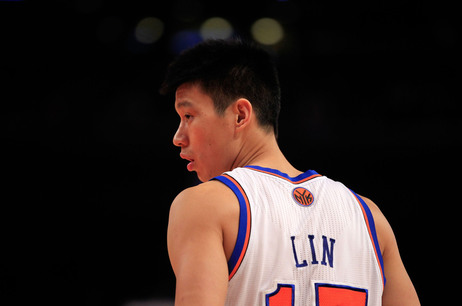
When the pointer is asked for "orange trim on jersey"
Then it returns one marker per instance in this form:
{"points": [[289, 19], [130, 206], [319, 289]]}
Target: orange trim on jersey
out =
{"points": [[240, 247], [372, 234]]}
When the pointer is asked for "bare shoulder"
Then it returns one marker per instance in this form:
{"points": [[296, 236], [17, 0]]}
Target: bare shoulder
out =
{"points": [[211, 206], [384, 231], [372, 206], [207, 198], [399, 289], [196, 238]]}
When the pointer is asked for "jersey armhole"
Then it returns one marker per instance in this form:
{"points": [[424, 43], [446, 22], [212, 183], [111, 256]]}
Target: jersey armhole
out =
{"points": [[369, 219], [243, 235]]}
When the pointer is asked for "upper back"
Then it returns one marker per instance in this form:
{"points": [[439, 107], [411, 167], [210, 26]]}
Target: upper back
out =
{"points": [[300, 239]]}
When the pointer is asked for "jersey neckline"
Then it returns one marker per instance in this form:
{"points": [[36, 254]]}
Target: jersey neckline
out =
{"points": [[306, 176]]}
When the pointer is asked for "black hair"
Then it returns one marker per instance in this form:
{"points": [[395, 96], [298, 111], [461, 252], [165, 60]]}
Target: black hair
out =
{"points": [[228, 70]]}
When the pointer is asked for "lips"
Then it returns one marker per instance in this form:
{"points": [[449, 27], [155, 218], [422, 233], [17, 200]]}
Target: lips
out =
{"points": [[191, 161]]}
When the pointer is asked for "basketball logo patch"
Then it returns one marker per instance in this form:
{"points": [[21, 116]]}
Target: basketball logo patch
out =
{"points": [[302, 196]]}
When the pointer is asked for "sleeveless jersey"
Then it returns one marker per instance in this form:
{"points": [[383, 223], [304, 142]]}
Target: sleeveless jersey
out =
{"points": [[302, 241]]}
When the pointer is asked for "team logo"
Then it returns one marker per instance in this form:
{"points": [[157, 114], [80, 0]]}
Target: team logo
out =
{"points": [[302, 196]]}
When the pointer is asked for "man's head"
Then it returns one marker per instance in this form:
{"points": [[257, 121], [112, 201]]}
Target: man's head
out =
{"points": [[221, 88], [227, 71]]}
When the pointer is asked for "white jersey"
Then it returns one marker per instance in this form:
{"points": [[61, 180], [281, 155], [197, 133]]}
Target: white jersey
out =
{"points": [[302, 241]]}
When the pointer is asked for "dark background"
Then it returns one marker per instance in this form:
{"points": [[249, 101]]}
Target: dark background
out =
{"points": [[370, 98]]}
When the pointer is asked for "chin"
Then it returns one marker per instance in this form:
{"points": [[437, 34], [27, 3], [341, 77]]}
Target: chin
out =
{"points": [[203, 180], [205, 177]]}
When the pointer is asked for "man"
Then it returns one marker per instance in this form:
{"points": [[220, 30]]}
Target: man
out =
{"points": [[258, 231]]}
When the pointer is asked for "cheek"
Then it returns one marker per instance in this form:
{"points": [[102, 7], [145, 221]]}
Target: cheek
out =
{"points": [[215, 145], [212, 141], [221, 150]]}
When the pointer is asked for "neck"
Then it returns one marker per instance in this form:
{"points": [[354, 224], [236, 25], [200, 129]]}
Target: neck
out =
{"points": [[263, 150]]}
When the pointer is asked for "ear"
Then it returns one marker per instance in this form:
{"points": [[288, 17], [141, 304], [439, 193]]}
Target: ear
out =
{"points": [[243, 111]]}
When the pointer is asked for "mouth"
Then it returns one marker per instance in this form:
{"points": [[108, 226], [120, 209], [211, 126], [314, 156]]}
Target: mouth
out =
{"points": [[191, 161]]}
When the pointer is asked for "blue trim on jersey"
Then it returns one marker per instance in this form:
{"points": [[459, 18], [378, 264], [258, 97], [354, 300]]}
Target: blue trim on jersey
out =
{"points": [[373, 232], [285, 175], [243, 217]]}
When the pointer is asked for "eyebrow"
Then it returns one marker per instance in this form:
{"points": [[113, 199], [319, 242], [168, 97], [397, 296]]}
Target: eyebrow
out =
{"points": [[183, 104]]}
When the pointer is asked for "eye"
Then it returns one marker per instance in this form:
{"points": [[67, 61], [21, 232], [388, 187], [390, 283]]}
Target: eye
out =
{"points": [[187, 116]]}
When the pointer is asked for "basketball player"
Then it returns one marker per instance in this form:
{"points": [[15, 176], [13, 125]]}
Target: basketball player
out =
{"points": [[258, 231]]}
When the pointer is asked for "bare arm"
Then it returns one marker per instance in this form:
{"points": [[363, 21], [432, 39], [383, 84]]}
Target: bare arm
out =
{"points": [[399, 289], [195, 244]]}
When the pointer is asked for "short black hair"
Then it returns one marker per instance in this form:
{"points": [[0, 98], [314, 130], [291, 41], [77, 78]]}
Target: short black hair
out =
{"points": [[228, 70]]}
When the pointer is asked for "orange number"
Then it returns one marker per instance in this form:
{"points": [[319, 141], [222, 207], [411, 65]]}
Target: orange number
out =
{"points": [[326, 295], [282, 296], [332, 295]]}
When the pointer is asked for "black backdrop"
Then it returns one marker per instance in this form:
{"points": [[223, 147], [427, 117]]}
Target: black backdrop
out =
{"points": [[370, 98]]}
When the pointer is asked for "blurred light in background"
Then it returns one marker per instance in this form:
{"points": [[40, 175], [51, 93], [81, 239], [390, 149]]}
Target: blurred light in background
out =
{"points": [[149, 30], [185, 39], [216, 28], [267, 31]]}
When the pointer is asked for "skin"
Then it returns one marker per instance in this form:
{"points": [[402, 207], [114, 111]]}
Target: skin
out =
{"points": [[201, 234]]}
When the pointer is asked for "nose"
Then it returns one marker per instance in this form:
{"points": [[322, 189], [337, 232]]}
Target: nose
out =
{"points": [[180, 138]]}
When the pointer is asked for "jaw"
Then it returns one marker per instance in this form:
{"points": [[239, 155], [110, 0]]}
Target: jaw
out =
{"points": [[205, 177], [206, 174]]}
